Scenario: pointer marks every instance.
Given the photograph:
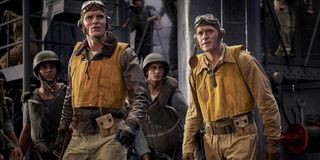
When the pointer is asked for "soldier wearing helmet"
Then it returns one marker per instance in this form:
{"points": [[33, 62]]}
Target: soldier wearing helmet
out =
{"points": [[142, 20], [226, 82], [42, 107], [102, 73], [166, 113]]}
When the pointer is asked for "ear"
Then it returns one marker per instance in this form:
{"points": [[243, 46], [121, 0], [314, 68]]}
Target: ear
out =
{"points": [[222, 32], [79, 24], [195, 40]]}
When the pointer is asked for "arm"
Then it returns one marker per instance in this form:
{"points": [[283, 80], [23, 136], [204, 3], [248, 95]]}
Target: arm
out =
{"points": [[16, 152], [138, 96], [138, 93], [194, 121], [25, 136], [178, 101], [67, 113], [260, 88], [9, 132]]}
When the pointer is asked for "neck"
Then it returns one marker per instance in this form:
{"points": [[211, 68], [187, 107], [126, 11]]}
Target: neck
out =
{"points": [[154, 87], [44, 90], [215, 54], [95, 44]]}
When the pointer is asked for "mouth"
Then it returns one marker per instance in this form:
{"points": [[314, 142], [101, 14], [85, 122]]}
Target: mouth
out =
{"points": [[205, 43], [95, 28]]}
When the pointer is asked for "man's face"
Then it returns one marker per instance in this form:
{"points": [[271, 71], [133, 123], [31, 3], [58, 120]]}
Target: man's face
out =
{"points": [[138, 3], [207, 37], [48, 71], [155, 72], [95, 23]]}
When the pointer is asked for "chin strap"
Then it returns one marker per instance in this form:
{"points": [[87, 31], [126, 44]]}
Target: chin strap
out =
{"points": [[48, 85]]}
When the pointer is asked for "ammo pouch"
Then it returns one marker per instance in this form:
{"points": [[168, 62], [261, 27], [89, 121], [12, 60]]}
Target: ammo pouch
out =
{"points": [[163, 128]]}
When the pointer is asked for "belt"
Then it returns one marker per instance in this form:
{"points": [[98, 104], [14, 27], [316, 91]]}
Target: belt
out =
{"points": [[94, 112], [84, 118], [228, 125]]}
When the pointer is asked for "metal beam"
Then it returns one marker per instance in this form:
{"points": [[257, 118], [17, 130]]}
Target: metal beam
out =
{"points": [[26, 46]]}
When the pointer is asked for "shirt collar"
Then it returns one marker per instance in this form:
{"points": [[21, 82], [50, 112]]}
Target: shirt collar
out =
{"points": [[226, 57]]}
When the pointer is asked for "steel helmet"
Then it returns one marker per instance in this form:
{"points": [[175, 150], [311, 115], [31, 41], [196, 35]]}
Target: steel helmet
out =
{"points": [[43, 57], [155, 57]]}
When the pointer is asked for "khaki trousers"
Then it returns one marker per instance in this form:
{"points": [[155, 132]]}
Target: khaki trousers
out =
{"points": [[94, 147], [240, 145]]}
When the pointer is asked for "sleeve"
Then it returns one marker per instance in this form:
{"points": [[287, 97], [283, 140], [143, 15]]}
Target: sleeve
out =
{"points": [[194, 120], [138, 92], [260, 88], [7, 125], [67, 113], [141, 143], [178, 101], [26, 116]]}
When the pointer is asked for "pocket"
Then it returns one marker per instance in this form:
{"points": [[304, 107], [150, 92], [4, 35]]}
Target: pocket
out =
{"points": [[106, 125], [246, 129]]}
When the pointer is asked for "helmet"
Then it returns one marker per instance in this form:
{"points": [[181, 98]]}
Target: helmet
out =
{"points": [[43, 57], [155, 57], [211, 20], [92, 5]]}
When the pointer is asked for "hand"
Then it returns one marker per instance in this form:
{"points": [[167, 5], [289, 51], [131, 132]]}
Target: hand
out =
{"points": [[124, 137], [187, 156], [16, 153], [272, 150], [126, 134]]}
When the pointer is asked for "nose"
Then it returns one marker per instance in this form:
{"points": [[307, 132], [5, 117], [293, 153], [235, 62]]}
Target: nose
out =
{"points": [[204, 36], [157, 70], [95, 20]]}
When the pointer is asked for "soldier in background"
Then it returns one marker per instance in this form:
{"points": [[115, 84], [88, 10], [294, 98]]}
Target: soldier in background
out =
{"points": [[16, 29], [142, 20], [9, 144], [170, 8], [163, 127], [42, 108], [285, 11]]}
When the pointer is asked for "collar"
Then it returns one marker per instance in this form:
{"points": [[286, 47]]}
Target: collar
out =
{"points": [[226, 57]]}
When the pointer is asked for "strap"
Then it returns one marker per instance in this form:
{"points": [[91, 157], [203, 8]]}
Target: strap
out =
{"points": [[237, 51]]}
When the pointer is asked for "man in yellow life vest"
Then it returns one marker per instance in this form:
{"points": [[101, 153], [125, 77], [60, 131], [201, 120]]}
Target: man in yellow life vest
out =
{"points": [[226, 83], [102, 73]]}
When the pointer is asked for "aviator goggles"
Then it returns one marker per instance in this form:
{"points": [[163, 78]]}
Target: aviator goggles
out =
{"points": [[86, 6], [208, 18]]}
